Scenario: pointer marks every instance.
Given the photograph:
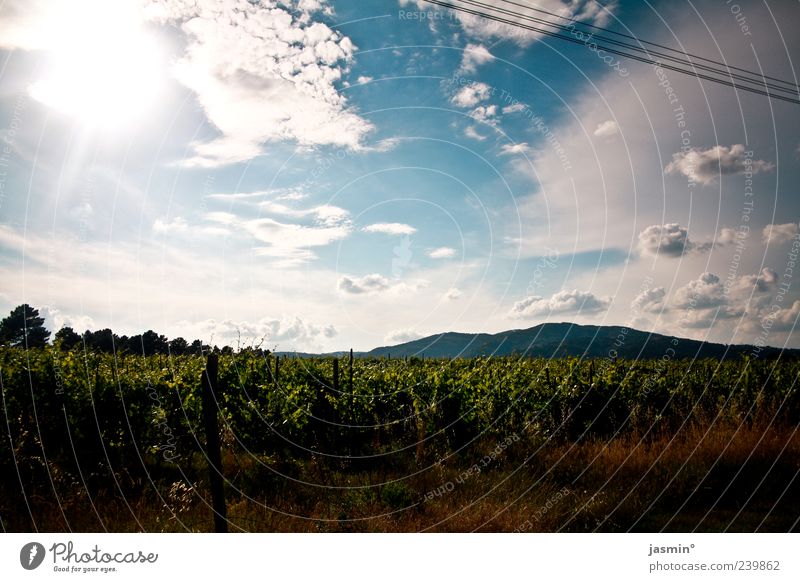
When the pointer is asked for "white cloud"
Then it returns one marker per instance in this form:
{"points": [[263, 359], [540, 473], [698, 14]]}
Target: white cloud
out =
{"points": [[574, 301], [784, 319], [650, 300], [363, 79], [485, 114], [54, 320], [765, 281], [287, 333], [474, 56], [140, 284], [324, 214], [729, 236], [453, 293], [472, 133], [514, 149], [392, 228], [483, 28], [442, 253], [514, 108], [367, 284], [706, 301], [401, 336], [242, 55], [31, 25], [378, 285], [705, 166], [176, 225], [289, 245], [705, 292], [606, 129], [472, 94], [778, 234], [671, 240]]}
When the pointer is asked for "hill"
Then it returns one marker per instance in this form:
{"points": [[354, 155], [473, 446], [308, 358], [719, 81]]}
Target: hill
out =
{"points": [[570, 339]]}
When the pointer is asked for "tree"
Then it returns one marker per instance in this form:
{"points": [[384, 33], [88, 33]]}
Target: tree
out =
{"points": [[24, 328], [153, 343], [67, 338], [101, 340], [178, 346]]}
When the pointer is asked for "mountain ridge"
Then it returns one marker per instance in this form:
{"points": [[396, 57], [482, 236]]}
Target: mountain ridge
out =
{"points": [[570, 339]]}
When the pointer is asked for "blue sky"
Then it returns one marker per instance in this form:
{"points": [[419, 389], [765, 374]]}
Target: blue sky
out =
{"points": [[326, 175]]}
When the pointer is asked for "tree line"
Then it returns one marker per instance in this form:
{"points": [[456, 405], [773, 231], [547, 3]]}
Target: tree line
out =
{"points": [[24, 328]]}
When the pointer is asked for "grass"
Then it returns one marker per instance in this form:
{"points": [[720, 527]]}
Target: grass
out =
{"points": [[705, 476]]}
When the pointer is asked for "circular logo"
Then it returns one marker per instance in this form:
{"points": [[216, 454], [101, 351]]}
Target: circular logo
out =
{"points": [[31, 555]]}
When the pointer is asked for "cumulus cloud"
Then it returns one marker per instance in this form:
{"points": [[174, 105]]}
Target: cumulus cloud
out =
{"points": [[360, 285], [705, 166], [392, 228], [606, 129], [472, 94], [242, 55], [729, 236], [287, 333], [671, 240], [706, 300], [485, 114], [562, 302], [513, 149], [784, 319], [778, 234], [705, 292], [650, 300], [55, 319], [442, 253], [474, 56], [765, 281], [482, 28]]}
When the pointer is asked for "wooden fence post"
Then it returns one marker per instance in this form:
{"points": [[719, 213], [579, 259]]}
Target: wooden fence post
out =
{"points": [[210, 407]]}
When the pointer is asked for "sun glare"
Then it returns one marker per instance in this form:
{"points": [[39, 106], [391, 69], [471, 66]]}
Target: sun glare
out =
{"points": [[104, 68]]}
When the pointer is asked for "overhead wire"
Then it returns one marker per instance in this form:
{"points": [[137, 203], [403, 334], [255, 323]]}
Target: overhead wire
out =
{"points": [[730, 79], [794, 86]]}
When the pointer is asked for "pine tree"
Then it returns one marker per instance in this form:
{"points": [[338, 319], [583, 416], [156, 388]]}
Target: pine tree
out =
{"points": [[24, 328]]}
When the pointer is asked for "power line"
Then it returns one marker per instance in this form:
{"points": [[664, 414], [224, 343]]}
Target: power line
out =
{"points": [[643, 59], [794, 86], [760, 80]]}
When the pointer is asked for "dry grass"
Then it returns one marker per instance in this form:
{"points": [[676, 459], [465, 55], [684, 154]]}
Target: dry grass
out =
{"points": [[705, 477]]}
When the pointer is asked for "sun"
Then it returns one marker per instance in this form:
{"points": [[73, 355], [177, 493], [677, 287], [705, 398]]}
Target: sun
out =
{"points": [[104, 68]]}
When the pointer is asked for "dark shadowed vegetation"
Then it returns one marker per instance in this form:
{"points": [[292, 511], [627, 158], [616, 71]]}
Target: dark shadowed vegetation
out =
{"points": [[98, 441]]}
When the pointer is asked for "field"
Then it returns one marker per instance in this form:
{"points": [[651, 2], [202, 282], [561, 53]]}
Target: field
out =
{"points": [[103, 442]]}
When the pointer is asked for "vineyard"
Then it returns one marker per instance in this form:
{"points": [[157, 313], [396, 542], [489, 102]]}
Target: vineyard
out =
{"points": [[99, 441]]}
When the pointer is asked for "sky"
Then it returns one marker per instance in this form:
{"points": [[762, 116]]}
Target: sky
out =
{"points": [[318, 175]]}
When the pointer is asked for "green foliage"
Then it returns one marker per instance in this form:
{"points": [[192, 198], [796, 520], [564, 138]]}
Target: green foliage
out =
{"points": [[94, 414], [23, 328]]}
